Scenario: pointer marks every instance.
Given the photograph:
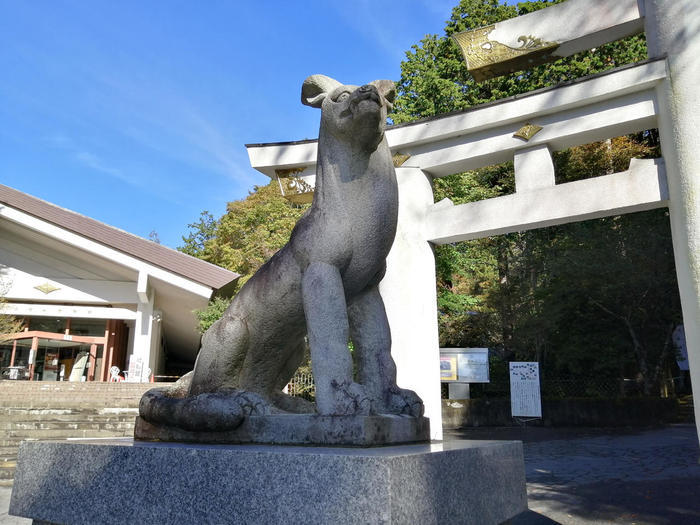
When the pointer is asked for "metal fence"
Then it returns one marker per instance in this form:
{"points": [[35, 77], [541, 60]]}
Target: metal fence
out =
{"points": [[602, 388], [302, 385]]}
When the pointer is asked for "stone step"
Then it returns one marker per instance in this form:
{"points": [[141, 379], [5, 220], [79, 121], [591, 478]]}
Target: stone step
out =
{"points": [[31, 411], [6, 397], [75, 422], [58, 433], [68, 403], [64, 414], [18, 426], [85, 385], [7, 441], [7, 472]]}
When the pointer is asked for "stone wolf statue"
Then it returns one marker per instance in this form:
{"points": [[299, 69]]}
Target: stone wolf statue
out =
{"points": [[323, 284]]}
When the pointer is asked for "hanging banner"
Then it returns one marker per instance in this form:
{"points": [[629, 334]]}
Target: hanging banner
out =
{"points": [[525, 400]]}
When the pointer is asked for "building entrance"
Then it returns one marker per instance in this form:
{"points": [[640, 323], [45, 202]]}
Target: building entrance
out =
{"points": [[76, 353]]}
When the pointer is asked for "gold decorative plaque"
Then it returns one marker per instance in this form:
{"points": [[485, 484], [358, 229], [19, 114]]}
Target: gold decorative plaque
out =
{"points": [[399, 159], [489, 58], [47, 288], [528, 131], [294, 188]]}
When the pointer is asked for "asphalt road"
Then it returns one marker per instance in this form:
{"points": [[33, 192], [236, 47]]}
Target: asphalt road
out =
{"points": [[590, 476]]}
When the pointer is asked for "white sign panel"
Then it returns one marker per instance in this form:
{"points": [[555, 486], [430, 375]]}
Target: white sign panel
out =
{"points": [[464, 365], [135, 369], [473, 365], [525, 398]]}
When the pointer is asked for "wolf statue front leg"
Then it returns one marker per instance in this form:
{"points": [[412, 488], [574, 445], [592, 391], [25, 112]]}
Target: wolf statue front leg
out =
{"points": [[371, 337], [327, 324]]}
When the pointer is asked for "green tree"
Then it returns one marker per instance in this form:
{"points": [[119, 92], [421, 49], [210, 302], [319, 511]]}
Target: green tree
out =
{"points": [[9, 324], [435, 80], [201, 232], [247, 235], [212, 313]]}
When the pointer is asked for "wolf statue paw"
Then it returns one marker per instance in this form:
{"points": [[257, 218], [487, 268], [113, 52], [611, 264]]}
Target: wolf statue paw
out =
{"points": [[404, 402]]}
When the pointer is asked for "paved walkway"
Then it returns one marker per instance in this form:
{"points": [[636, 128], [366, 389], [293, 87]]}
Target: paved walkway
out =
{"points": [[591, 476], [6, 519]]}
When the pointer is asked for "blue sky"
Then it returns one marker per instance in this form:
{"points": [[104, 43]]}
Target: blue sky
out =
{"points": [[136, 113]]}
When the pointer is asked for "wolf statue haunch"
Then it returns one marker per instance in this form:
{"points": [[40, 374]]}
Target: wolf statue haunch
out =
{"points": [[323, 283]]}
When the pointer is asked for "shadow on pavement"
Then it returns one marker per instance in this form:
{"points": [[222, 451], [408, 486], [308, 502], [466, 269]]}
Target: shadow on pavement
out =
{"points": [[668, 501], [592, 476], [534, 434], [530, 517]]}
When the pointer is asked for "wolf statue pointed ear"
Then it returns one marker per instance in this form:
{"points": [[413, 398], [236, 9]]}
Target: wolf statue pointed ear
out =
{"points": [[315, 89], [388, 90]]}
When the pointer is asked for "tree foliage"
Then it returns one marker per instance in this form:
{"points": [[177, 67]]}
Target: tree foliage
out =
{"points": [[9, 324], [247, 235], [212, 313], [434, 78]]}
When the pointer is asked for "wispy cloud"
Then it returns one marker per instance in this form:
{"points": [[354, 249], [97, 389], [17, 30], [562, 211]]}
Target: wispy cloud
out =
{"points": [[92, 161], [81, 155], [129, 101], [158, 116]]}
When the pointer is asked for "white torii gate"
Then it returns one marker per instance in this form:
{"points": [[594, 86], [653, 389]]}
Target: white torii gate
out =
{"points": [[661, 92]]}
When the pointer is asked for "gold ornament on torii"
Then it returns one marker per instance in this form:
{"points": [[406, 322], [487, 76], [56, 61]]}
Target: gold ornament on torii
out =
{"points": [[489, 58]]}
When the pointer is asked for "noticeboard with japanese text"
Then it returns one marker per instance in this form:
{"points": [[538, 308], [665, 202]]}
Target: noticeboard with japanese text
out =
{"points": [[465, 365], [525, 400]]}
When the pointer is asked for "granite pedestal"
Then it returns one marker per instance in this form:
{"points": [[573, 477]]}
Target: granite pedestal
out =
{"points": [[300, 429], [120, 481]]}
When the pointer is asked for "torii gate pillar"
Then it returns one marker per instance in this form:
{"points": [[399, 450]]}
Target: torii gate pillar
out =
{"points": [[408, 291], [673, 29]]}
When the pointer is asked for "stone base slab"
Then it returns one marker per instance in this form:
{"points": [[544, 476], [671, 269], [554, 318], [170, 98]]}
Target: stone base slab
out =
{"points": [[301, 429], [122, 481]]}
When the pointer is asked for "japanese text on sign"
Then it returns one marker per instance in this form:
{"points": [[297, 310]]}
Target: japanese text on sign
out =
{"points": [[525, 398]]}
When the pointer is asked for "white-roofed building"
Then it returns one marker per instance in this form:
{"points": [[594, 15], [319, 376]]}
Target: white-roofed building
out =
{"points": [[94, 297]]}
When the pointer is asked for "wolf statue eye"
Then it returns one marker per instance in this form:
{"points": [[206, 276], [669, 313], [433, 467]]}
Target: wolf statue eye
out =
{"points": [[343, 96]]}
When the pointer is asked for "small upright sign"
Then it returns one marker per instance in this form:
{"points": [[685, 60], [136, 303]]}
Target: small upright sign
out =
{"points": [[525, 398]]}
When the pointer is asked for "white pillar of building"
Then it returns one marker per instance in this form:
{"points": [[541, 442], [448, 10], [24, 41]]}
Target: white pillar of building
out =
{"points": [[143, 327], [673, 29], [156, 354], [408, 290]]}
